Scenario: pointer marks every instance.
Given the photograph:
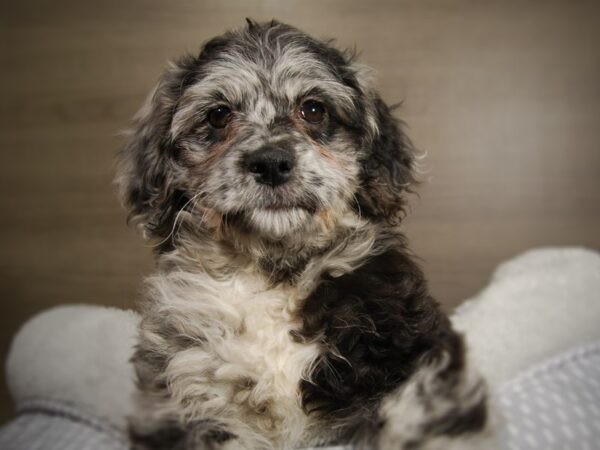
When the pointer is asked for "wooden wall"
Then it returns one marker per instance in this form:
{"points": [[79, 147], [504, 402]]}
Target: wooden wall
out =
{"points": [[503, 96]]}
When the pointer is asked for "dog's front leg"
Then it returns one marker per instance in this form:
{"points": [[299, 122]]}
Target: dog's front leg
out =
{"points": [[159, 421], [441, 406]]}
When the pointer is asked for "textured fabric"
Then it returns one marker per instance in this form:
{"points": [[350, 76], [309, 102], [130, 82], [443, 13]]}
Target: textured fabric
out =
{"points": [[48, 425], [555, 405], [536, 306], [79, 355]]}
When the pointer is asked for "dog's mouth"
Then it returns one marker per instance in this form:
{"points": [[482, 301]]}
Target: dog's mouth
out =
{"points": [[277, 216], [277, 208], [283, 207], [282, 201], [273, 213]]}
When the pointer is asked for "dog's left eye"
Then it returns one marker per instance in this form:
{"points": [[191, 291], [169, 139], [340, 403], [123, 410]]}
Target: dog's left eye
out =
{"points": [[312, 111], [219, 117]]}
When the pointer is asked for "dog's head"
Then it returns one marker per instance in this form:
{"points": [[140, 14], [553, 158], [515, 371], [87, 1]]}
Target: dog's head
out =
{"points": [[268, 131]]}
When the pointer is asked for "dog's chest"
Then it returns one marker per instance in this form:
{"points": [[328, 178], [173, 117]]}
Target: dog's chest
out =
{"points": [[261, 343], [247, 364]]}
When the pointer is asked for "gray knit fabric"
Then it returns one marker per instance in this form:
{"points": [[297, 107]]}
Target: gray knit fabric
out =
{"points": [[555, 405], [51, 425]]}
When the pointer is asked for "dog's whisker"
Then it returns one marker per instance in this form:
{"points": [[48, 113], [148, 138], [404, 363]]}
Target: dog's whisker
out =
{"points": [[176, 223], [357, 203]]}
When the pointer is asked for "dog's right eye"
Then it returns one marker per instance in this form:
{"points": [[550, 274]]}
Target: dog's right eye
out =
{"points": [[219, 116], [313, 111]]}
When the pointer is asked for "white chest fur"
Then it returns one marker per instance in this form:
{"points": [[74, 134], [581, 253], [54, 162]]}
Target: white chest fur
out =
{"points": [[243, 368]]}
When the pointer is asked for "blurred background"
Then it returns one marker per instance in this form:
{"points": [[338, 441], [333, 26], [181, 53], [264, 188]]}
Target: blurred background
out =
{"points": [[502, 95]]}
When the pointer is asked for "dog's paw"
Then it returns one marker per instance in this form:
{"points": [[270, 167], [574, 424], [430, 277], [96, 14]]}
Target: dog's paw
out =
{"points": [[438, 408]]}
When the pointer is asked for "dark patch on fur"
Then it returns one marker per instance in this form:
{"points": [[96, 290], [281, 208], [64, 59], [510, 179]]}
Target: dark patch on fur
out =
{"points": [[284, 269], [316, 181], [149, 363], [376, 325], [386, 170], [205, 435], [457, 422], [167, 437]]}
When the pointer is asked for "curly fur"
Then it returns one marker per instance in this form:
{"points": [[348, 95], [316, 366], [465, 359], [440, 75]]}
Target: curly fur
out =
{"points": [[289, 315]]}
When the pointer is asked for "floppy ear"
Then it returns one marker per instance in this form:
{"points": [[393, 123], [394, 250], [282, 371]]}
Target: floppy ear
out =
{"points": [[146, 168], [387, 171]]}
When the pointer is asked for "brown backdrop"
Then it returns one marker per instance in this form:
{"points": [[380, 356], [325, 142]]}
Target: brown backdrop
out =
{"points": [[503, 96]]}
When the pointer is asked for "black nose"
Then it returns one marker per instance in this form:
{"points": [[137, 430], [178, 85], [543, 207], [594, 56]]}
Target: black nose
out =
{"points": [[271, 166]]}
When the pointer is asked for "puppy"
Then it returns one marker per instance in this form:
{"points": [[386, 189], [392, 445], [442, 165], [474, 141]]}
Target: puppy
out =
{"points": [[286, 310]]}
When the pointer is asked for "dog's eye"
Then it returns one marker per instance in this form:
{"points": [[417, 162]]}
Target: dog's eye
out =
{"points": [[312, 111], [219, 117]]}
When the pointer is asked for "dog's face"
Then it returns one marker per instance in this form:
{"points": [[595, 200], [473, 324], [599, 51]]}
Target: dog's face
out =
{"points": [[267, 131]]}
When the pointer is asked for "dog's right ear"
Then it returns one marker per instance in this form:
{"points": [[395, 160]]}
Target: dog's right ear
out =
{"points": [[146, 172]]}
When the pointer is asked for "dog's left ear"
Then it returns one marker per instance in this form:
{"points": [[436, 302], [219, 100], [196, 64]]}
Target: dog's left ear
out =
{"points": [[387, 170]]}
